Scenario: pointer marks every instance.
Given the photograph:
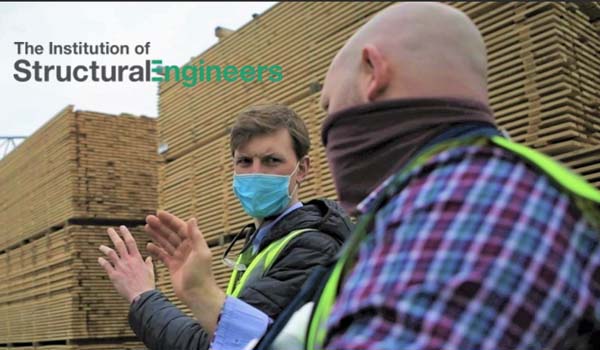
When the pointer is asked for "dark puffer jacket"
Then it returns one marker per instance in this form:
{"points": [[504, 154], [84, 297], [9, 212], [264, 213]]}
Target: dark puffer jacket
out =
{"points": [[162, 326]]}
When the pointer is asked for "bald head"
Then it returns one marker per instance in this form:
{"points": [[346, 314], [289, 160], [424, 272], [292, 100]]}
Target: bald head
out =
{"points": [[409, 50]]}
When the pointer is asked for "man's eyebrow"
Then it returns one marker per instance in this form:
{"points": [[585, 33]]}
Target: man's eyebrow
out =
{"points": [[262, 155], [272, 154]]}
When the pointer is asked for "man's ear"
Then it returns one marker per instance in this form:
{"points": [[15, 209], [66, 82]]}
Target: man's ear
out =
{"points": [[378, 71], [303, 169]]}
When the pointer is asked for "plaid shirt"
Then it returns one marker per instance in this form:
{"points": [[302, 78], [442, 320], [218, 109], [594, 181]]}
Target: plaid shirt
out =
{"points": [[477, 251]]}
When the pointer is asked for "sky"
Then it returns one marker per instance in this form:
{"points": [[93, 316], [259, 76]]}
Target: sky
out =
{"points": [[176, 32]]}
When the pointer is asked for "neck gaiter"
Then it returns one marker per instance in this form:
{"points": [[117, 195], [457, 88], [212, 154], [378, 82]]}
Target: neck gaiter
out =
{"points": [[366, 144]]}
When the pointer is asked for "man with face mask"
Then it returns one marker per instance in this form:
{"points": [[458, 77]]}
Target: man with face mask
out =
{"points": [[466, 240], [286, 241]]}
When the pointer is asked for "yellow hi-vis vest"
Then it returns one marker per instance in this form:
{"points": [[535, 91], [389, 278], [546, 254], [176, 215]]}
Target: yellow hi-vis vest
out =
{"points": [[258, 264], [586, 197]]}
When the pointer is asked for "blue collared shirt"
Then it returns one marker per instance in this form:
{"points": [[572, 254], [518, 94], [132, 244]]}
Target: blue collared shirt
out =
{"points": [[262, 232], [240, 322]]}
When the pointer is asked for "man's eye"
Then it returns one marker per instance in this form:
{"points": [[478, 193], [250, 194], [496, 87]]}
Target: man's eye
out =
{"points": [[242, 161], [272, 160]]}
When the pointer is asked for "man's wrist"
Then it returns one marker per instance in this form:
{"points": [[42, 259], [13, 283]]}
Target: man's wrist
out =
{"points": [[206, 308], [135, 299], [138, 296]]}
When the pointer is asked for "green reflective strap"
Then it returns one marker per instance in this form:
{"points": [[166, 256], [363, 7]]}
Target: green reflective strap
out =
{"points": [[264, 259], [243, 259], [317, 327], [315, 337], [431, 151], [233, 278], [275, 248], [566, 178]]}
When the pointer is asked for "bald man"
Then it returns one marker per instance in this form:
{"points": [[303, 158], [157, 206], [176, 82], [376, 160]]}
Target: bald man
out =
{"points": [[408, 51], [466, 241]]}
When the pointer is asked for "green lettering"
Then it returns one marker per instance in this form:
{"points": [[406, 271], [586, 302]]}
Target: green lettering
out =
{"points": [[230, 73], [189, 77], [168, 69], [260, 72], [276, 73], [247, 73], [217, 68]]}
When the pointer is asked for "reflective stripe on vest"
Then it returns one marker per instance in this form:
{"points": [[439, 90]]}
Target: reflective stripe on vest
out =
{"points": [[261, 262], [586, 196]]}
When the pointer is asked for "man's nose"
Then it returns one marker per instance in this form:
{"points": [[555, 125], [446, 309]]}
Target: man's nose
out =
{"points": [[256, 166]]}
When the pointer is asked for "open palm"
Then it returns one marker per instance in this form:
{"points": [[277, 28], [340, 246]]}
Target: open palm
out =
{"points": [[182, 248]]}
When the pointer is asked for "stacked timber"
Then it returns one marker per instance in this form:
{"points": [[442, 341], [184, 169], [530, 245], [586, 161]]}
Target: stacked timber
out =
{"points": [[79, 174], [54, 289], [543, 78], [78, 165]]}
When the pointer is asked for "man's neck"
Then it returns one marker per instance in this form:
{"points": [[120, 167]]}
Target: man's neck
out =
{"points": [[259, 221]]}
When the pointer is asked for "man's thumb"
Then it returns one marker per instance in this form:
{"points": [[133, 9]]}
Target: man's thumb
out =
{"points": [[149, 262], [195, 233]]}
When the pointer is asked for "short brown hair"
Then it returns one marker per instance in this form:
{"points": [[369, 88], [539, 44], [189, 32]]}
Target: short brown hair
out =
{"points": [[266, 119]]}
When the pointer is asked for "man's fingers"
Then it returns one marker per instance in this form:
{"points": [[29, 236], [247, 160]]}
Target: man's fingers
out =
{"points": [[159, 253], [129, 241], [111, 254], [172, 222], [153, 255], [174, 239], [117, 242], [106, 266], [160, 240], [155, 224], [196, 236]]}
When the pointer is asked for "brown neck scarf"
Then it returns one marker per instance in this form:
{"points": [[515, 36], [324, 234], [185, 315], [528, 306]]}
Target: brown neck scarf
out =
{"points": [[366, 144]]}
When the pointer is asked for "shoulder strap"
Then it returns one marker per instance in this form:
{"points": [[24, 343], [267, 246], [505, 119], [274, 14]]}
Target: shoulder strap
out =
{"points": [[273, 250], [263, 260], [566, 178]]}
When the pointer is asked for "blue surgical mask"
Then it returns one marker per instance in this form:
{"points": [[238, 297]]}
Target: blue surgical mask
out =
{"points": [[263, 195]]}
